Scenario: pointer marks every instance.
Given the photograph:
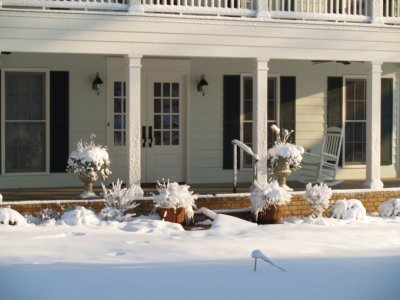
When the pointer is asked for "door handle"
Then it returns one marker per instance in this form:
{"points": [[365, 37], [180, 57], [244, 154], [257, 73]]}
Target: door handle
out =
{"points": [[150, 136], [143, 136]]}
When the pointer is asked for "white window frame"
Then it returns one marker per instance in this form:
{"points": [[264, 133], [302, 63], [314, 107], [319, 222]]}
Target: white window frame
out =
{"points": [[347, 166], [47, 121], [242, 121]]}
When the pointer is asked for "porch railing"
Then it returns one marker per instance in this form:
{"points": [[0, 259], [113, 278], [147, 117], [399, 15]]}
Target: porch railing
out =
{"points": [[377, 11], [254, 160]]}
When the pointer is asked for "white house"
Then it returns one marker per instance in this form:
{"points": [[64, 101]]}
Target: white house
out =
{"points": [[302, 64]]}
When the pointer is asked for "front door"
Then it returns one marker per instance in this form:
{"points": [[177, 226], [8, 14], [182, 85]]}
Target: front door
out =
{"points": [[162, 128], [116, 121]]}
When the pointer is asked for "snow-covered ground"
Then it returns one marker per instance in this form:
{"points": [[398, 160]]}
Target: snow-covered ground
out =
{"points": [[152, 259]]}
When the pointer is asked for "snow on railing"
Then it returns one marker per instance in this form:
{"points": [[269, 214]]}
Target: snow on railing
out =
{"points": [[331, 10], [254, 160], [391, 11], [105, 5], [359, 11], [202, 7]]}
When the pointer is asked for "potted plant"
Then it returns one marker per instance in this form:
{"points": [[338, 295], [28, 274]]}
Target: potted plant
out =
{"points": [[174, 202], [284, 157], [266, 200], [318, 197], [86, 161]]}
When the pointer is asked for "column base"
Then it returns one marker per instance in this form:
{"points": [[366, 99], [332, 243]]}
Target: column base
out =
{"points": [[373, 184]]}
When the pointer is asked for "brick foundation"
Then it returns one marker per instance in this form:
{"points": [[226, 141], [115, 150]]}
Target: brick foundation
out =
{"points": [[297, 207]]}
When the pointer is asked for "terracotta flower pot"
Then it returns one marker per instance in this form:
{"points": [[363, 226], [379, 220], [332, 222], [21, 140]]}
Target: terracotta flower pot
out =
{"points": [[270, 215], [171, 214]]}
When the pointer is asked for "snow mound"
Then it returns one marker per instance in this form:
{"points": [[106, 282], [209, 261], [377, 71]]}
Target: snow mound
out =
{"points": [[9, 216], [148, 224], [79, 216], [390, 208], [225, 224], [351, 209]]}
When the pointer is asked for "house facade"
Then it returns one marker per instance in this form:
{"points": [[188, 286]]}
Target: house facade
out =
{"points": [[300, 64]]}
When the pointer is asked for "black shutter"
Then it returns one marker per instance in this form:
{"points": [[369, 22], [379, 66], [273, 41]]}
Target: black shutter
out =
{"points": [[386, 121], [288, 103], [231, 117], [334, 101], [59, 120], [334, 105]]}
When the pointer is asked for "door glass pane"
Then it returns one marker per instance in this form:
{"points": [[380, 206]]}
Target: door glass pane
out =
{"points": [[157, 122], [157, 89], [175, 122], [175, 105], [119, 113], [166, 105], [175, 137], [166, 138], [117, 105], [166, 114], [175, 89]]}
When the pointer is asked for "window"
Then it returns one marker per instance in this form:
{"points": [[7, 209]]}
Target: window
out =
{"points": [[355, 105], [119, 109], [247, 113], [24, 122]]}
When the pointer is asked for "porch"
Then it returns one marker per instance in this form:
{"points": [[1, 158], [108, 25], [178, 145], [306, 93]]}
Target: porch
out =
{"points": [[221, 189], [349, 11]]}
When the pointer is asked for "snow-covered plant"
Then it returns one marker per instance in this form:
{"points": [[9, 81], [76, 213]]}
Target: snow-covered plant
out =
{"points": [[47, 214], [119, 200], [264, 195], [348, 210], [390, 208], [318, 197], [88, 159], [10, 216], [284, 149], [174, 195]]}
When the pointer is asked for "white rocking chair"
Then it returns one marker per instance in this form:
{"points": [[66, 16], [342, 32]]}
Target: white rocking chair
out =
{"points": [[321, 168]]}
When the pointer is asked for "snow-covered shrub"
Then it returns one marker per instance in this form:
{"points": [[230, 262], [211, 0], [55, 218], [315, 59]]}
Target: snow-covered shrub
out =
{"points": [[119, 200], [348, 210], [10, 216], [88, 159], [79, 216], [390, 208], [264, 195], [47, 214], [284, 149], [174, 195], [318, 197]]}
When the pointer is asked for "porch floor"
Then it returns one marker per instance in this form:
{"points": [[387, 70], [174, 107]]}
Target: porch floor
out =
{"points": [[72, 193]]}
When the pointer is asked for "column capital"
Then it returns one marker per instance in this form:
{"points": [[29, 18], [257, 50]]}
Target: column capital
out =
{"points": [[262, 64], [376, 67], [134, 60]]}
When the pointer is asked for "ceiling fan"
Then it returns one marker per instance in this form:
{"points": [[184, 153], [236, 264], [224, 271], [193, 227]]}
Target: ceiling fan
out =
{"points": [[344, 62]]}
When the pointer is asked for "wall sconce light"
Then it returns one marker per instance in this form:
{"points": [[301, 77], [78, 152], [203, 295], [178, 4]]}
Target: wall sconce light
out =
{"points": [[97, 82], [201, 86]]}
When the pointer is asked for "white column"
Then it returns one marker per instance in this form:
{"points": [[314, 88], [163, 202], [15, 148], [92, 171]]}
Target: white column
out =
{"points": [[374, 127], [377, 12], [135, 6], [133, 119], [260, 107], [263, 10]]}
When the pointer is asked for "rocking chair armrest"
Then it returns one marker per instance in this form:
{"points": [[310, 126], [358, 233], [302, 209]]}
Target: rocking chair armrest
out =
{"points": [[311, 154]]}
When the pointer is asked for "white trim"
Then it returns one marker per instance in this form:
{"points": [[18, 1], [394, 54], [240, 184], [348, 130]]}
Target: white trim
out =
{"points": [[47, 120]]}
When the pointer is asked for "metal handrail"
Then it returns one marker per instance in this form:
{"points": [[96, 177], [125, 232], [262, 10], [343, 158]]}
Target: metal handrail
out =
{"points": [[247, 149]]}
